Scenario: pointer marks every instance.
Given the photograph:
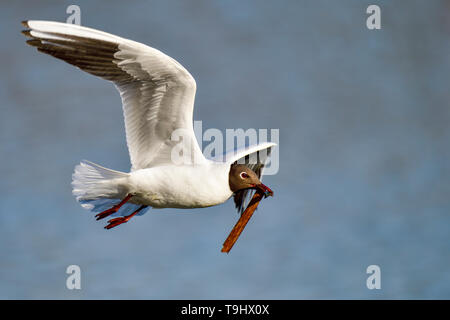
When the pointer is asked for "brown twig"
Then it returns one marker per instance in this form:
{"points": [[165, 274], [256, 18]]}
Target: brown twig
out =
{"points": [[242, 222]]}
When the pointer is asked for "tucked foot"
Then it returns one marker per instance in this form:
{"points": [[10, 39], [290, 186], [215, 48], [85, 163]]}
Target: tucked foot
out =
{"points": [[106, 213], [114, 209], [117, 221]]}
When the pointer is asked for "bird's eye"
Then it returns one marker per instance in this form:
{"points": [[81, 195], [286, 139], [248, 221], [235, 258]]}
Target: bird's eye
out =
{"points": [[244, 175]]}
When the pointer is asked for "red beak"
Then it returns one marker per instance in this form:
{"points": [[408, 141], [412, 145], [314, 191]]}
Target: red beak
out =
{"points": [[265, 189]]}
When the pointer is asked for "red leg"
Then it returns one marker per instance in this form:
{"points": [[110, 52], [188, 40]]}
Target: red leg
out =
{"points": [[114, 209], [116, 221]]}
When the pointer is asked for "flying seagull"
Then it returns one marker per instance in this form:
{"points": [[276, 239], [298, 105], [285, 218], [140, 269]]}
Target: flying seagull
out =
{"points": [[158, 99]]}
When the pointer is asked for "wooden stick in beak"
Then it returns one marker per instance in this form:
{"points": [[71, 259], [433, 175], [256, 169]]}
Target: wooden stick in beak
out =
{"points": [[242, 222]]}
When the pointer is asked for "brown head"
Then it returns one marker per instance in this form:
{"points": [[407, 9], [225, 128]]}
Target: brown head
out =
{"points": [[242, 177]]}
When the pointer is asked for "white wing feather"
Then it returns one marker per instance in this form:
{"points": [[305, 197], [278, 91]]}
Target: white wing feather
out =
{"points": [[235, 155], [157, 92]]}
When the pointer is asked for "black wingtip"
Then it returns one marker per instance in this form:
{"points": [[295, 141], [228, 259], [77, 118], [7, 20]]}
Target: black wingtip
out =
{"points": [[25, 23], [27, 33], [34, 42]]}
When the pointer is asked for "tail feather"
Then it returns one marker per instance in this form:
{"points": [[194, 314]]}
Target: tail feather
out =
{"points": [[91, 181], [97, 189]]}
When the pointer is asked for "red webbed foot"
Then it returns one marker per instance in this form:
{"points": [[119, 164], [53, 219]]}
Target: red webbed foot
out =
{"points": [[118, 221], [114, 209]]}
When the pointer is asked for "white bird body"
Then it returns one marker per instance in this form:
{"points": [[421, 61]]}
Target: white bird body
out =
{"points": [[183, 186], [158, 97]]}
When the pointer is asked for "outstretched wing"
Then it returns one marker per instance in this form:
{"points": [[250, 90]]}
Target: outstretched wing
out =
{"points": [[254, 157], [157, 92]]}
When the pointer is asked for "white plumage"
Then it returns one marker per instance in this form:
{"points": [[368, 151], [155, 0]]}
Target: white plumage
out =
{"points": [[158, 99]]}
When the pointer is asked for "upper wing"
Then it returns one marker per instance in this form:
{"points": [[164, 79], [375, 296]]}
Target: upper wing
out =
{"points": [[254, 157], [157, 92]]}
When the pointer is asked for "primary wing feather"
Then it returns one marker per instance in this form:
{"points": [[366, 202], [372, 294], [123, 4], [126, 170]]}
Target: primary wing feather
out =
{"points": [[157, 92]]}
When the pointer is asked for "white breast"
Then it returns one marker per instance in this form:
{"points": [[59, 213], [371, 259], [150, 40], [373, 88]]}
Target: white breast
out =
{"points": [[181, 186]]}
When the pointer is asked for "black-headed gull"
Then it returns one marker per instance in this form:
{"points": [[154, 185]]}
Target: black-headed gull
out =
{"points": [[158, 99]]}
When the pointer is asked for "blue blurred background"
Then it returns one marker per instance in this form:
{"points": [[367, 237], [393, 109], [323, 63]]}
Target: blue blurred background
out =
{"points": [[364, 153]]}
